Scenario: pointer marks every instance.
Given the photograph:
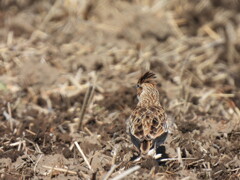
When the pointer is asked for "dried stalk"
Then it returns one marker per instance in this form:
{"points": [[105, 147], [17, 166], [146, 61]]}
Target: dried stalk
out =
{"points": [[86, 102], [60, 170], [10, 116], [126, 173], [83, 155], [109, 173], [180, 157]]}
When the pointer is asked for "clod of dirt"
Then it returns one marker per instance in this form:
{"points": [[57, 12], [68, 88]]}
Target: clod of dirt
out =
{"points": [[188, 127], [149, 163], [12, 154]]}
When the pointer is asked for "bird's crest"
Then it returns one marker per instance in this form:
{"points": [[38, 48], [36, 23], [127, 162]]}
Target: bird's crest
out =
{"points": [[148, 77]]}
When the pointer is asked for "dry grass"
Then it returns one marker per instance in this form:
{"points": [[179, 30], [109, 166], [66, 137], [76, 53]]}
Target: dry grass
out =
{"points": [[67, 74]]}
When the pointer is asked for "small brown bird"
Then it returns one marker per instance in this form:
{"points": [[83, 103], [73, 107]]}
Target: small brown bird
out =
{"points": [[147, 123]]}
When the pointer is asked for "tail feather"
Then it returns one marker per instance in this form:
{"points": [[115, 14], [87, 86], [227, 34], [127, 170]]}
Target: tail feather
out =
{"points": [[145, 146]]}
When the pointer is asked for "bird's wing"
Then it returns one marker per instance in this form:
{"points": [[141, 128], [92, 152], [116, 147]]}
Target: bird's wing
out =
{"points": [[154, 122], [148, 124]]}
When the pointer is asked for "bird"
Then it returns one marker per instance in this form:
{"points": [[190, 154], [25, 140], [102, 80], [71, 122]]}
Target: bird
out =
{"points": [[147, 124]]}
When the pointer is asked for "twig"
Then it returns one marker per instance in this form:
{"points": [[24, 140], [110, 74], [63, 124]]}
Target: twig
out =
{"points": [[83, 155], [115, 152], [186, 178], [236, 169], [217, 172], [60, 169], [38, 148], [85, 104], [61, 129], [223, 95], [35, 166], [91, 95], [71, 147], [10, 115], [10, 38], [31, 132], [194, 162], [209, 170], [126, 173], [237, 111], [6, 115], [34, 144], [88, 131], [16, 143], [75, 82], [180, 156], [174, 159], [211, 32], [109, 173]]}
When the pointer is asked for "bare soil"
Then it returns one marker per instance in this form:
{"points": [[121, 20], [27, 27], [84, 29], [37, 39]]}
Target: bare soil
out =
{"points": [[52, 52]]}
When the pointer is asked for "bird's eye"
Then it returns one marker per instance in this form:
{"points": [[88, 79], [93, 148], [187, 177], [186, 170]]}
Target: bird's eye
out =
{"points": [[138, 86]]}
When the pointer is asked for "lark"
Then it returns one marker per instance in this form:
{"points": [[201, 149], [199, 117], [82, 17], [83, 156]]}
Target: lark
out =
{"points": [[148, 122]]}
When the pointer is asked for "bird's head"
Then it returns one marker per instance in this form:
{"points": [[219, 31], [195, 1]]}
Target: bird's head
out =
{"points": [[147, 88]]}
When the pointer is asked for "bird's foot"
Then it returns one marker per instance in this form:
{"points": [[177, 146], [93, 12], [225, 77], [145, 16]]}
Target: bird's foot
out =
{"points": [[152, 153]]}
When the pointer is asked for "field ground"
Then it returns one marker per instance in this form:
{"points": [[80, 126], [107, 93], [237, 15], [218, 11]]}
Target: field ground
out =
{"points": [[55, 54]]}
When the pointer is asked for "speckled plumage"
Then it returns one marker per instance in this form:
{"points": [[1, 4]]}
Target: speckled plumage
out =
{"points": [[147, 123]]}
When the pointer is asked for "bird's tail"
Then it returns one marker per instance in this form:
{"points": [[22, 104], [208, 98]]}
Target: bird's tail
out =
{"points": [[145, 146]]}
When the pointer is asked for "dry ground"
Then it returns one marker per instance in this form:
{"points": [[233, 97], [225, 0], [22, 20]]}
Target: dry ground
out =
{"points": [[53, 52]]}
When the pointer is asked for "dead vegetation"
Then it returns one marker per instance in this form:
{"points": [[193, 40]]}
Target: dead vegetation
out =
{"points": [[68, 70]]}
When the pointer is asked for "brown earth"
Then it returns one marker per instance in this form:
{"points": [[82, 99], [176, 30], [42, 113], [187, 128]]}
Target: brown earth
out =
{"points": [[51, 52]]}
